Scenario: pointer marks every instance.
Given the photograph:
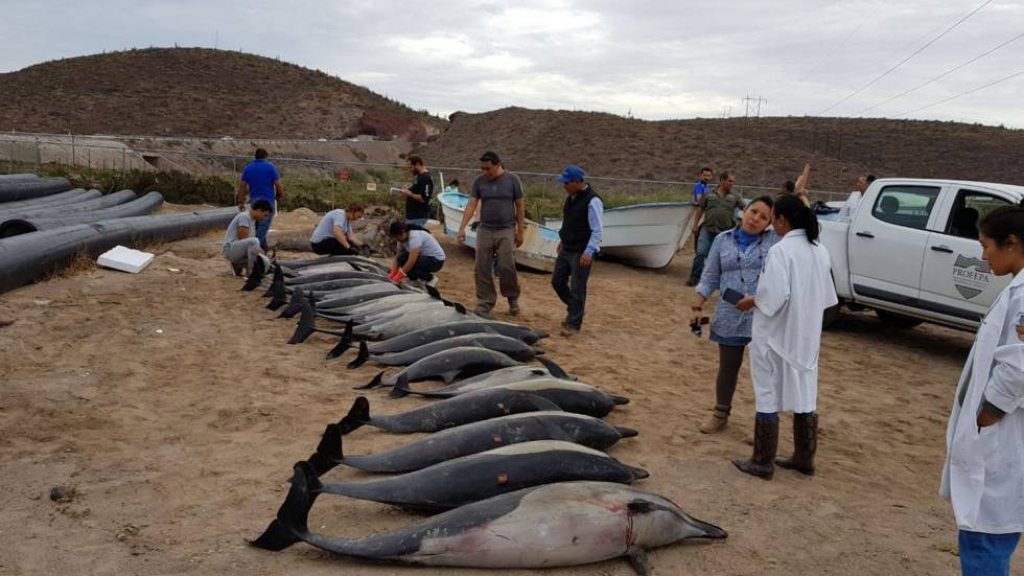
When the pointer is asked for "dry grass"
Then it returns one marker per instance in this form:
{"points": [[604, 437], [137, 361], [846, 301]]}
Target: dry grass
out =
{"points": [[80, 264]]}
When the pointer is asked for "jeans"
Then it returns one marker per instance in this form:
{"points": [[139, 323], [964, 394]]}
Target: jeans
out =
{"points": [[424, 267], [242, 253], [730, 360], [986, 554], [704, 240], [421, 222], [264, 226], [331, 246], [569, 280]]}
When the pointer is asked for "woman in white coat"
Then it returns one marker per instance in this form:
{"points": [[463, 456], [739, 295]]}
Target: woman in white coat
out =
{"points": [[792, 294], [984, 471]]}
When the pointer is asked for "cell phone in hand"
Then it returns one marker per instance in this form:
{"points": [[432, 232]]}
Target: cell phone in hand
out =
{"points": [[732, 296]]}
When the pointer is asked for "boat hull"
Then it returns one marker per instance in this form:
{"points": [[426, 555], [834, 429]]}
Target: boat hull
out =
{"points": [[540, 244]]}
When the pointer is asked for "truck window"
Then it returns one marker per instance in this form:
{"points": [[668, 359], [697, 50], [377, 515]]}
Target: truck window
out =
{"points": [[907, 206], [968, 209]]}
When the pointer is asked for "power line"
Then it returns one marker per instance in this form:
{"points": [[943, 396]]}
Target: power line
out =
{"points": [[845, 40], [907, 59], [955, 96], [941, 76]]}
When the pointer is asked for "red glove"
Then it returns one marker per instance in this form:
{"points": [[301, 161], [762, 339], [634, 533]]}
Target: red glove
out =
{"points": [[397, 275]]}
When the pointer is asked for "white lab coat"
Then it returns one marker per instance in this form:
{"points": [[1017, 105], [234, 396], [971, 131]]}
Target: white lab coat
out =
{"points": [[984, 470], [793, 291]]}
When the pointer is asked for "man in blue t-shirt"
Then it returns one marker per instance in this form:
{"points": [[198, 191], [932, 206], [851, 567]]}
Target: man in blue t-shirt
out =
{"points": [[700, 188], [260, 181]]}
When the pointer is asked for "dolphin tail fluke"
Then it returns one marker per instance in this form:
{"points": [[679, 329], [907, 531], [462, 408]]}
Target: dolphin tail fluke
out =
{"points": [[345, 344], [278, 296], [292, 522], [328, 453], [401, 388], [259, 268], [364, 355], [376, 382], [306, 327], [357, 417], [554, 369], [626, 432], [294, 305]]}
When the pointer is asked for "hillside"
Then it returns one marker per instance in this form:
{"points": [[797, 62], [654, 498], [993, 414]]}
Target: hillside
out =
{"points": [[764, 151], [198, 92]]}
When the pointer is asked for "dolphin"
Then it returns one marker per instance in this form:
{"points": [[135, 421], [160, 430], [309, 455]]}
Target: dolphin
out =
{"points": [[447, 364], [563, 524], [471, 438], [568, 395], [467, 479], [514, 349], [336, 275], [464, 409], [295, 265], [434, 316], [504, 376]]}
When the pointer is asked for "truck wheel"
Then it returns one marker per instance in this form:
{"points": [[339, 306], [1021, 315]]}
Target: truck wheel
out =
{"points": [[897, 321], [831, 315]]}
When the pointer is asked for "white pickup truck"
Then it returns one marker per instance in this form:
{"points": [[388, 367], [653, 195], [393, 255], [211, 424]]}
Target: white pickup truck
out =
{"points": [[911, 251]]}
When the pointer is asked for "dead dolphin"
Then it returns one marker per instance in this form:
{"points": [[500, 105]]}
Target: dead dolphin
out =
{"points": [[511, 347], [503, 376], [336, 275], [447, 364], [467, 479], [434, 316], [424, 335], [464, 409], [471, 438], [563, 524], [568, 395]]}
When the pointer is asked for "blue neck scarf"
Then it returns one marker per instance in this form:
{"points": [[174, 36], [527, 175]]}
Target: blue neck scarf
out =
{"points": [[743, 239]]}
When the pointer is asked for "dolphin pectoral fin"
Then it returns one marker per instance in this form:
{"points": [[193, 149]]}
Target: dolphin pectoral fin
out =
{"points": [[434, 293], [355, 266], [401, 388], [358, 416], [460, 308], [377, 380], [364, 355], [291, 524], [328, 453], [449, 376], [640, 562], [554, 369]]}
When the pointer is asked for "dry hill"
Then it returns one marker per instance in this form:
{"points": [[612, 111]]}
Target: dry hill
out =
{"points": [[198, 92], [764, 151]]}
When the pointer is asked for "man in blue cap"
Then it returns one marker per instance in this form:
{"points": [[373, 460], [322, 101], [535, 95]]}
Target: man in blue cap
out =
{"points": [[580, 239]]}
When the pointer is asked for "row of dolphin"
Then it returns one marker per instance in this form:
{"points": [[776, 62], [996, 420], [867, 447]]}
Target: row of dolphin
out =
{"points": [[515, 465]]}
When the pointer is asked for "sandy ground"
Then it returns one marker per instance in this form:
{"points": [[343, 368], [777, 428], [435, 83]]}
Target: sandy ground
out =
{"points": [[172, 404]]}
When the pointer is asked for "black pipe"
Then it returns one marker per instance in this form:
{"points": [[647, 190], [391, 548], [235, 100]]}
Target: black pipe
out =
{"points": [[69, 197], [23, 190], [138, 207], [101, 203]]}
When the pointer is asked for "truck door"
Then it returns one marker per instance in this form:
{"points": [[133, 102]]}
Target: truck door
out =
{"points": [[956, 281], [887, 242]]}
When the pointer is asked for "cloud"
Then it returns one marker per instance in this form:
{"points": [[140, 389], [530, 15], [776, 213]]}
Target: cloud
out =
{"points": [[657, 59]]}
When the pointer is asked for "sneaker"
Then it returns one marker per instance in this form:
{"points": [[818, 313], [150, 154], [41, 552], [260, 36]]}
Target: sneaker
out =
{"points": [[513, 307], [432, 282], [569, 331]]}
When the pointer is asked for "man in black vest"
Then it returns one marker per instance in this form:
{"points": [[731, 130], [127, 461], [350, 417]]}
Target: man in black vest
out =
{"points": [[580, 239]]}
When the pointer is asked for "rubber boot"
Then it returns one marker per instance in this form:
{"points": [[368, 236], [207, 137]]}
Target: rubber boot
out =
{"points": [[766, 442], [805, 444], [717, 422]]}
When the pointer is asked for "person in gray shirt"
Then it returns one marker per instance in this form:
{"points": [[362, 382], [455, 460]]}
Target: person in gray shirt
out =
{"points": [[240, 246], [502, 224]]}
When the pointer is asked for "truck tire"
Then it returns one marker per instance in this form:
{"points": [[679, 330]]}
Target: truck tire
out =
{"points": [[831, 315], [897, 321]]}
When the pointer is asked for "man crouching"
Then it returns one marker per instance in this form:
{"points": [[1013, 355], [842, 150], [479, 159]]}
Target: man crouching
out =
{"points": [[240, 245]]}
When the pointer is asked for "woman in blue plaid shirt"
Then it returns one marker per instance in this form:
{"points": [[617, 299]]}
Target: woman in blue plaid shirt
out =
{"points": [[735, 261]]}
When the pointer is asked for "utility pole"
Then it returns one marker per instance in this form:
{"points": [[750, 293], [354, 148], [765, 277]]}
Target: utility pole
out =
{"points": [[759, 101], [746, 105]]}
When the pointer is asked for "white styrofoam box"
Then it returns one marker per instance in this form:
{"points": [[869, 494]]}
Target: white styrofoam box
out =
{"points": [[125, 259]]}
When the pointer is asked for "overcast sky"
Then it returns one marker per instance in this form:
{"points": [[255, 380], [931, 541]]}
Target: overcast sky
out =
{"points": [[654, 60]]}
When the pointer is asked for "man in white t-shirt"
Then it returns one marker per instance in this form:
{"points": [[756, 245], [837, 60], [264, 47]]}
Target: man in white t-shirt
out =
{"points": [[334, 235], [240, 245], [849, 209], [421, 255]]}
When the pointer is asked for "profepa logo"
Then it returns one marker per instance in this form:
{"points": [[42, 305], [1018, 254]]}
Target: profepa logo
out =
{"points": [[971, 276]]}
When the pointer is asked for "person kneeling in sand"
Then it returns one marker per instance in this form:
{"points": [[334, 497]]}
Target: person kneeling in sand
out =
{"points": [[334, 235], [240, 245], [420, 257]]}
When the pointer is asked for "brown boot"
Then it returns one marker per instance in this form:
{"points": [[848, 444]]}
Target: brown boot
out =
{"points": [[717, 422], [805, 444], [766, 442]]}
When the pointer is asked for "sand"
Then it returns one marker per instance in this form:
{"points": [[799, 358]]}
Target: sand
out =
{"points": [[172, 405]]}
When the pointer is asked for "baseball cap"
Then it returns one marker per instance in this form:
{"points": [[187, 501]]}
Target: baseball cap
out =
{"points": [[491, 157], [571, 174]]}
